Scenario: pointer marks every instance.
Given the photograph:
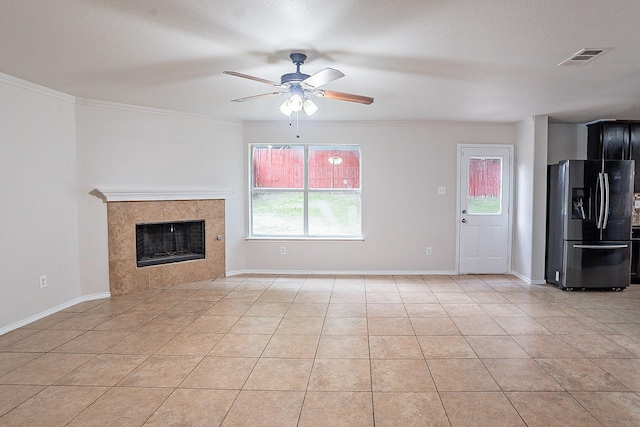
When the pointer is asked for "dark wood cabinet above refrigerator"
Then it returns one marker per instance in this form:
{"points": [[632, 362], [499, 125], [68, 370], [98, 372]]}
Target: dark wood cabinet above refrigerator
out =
{"points": [[634, 144], [615, 140], [608, 140]]}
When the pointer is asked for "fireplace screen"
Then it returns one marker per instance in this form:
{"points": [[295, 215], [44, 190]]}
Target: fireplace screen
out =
{"points": [[167, 242]]}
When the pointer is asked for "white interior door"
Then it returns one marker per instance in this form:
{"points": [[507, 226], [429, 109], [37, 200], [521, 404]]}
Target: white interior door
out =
{"points": [[484, 202]]}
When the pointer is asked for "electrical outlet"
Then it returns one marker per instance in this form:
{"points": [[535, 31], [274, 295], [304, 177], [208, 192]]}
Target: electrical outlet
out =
{"points": [[283, 250], [428, 250], [43, 282], [442, 190]]}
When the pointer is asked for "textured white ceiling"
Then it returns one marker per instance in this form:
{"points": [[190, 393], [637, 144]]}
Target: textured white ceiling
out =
{"points": [[474, 60]]}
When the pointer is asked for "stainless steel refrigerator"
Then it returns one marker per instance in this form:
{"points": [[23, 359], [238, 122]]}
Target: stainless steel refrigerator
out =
{"points": [[589, 224]]}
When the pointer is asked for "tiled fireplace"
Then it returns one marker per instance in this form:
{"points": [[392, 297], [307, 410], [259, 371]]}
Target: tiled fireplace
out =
{"points": [[129, 209]]}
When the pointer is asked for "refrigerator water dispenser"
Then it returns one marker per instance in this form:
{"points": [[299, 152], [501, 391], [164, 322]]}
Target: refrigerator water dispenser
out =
{"points": [[580, 203]]}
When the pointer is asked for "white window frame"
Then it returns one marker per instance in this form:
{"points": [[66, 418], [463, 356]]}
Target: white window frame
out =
{"points": [[305, 190]]}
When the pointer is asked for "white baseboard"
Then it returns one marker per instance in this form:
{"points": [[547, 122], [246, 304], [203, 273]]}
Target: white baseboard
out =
{"points": [[345, 272], [53, 310], [528, 280], [368, 273]]}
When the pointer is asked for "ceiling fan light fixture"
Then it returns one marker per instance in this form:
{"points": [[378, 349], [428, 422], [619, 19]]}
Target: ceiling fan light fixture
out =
{"points": [[295, 102], [309, 107], [285, 109]]}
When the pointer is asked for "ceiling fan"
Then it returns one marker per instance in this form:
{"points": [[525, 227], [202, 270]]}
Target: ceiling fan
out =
{"points": [[299, 87]]}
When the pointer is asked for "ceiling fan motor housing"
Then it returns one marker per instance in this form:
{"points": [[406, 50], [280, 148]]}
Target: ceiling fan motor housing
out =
{"points": [[293, 78]]}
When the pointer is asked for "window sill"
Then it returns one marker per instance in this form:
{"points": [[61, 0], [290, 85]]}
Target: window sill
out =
{"points": [[305, 239]]}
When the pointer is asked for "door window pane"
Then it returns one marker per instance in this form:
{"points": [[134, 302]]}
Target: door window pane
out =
{"points": [[278, 213], [485, 186], [334, 214]]}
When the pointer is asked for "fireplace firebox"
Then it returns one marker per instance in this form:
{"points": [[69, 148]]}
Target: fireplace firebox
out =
{"points": [[169, 242]]}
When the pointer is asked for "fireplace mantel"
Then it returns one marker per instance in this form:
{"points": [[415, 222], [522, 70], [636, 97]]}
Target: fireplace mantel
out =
{"points": [[153, 194]]}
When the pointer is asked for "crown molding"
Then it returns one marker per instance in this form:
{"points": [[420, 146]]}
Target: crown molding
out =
{"points": [[157, 111], [33, 87]]}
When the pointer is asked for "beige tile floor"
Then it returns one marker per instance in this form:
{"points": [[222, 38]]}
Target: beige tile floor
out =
{"points": [[280, 351]]}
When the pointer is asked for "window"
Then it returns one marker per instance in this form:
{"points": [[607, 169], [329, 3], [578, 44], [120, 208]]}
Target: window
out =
{"points": [[305, 191]]}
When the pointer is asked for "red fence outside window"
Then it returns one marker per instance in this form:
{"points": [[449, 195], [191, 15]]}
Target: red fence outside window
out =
{"points": [[284, 168], [485, 177]]}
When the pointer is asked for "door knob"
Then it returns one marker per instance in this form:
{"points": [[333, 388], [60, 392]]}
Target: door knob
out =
{"points": [[464, 220]]}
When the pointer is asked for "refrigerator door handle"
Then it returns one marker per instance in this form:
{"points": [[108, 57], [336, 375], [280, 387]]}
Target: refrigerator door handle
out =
{"points": [[606, 203], [600, 191], [600, 246]]}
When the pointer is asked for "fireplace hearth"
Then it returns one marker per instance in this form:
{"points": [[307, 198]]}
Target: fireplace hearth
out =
{"points": [[169, 242]]}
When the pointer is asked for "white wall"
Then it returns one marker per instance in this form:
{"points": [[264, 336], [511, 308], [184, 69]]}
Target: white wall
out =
{"points": [[566, 141], [539, 193], [122, 146], [38, 218], [403, 163], [529, 227], [522, 224]]}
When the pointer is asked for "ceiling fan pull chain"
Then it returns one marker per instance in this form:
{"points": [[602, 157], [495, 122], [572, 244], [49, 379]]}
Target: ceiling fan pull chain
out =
{"points": [[297, 127]]}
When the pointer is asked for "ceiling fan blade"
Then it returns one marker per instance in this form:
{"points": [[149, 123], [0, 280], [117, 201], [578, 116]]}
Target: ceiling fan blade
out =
{"points": [[340, 96], [322, 77], [257, 79], [264, 95]]}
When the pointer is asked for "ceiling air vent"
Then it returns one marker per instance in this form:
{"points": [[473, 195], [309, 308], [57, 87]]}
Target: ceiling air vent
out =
{"points": [[583, 56]]}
